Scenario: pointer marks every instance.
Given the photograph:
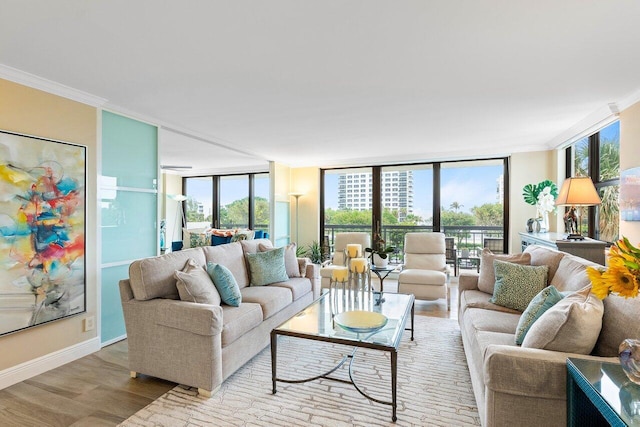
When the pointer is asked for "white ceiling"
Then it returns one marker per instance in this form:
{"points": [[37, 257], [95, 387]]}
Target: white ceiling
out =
{"points": [[330, 83]]}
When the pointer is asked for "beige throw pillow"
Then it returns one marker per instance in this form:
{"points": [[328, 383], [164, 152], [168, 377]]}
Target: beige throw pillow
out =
{"points": [[487, 273], [194, 285], [290, 258], [571, 326]]}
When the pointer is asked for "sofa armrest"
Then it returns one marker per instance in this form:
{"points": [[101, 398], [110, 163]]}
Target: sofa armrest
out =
{"points": [[199, 319], [468, 280], [312, 271], [303, 264], [529, 372], [175, 340]]}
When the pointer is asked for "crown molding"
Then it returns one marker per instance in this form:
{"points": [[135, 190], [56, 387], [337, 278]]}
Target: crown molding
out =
{"points": [[585, 127], [628, 101], [595, 121], [36, 82]]}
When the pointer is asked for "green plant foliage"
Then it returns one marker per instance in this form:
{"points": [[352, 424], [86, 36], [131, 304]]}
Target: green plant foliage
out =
{"points": [[530, 192], [380, 247], [488, 214], [314, 252]]}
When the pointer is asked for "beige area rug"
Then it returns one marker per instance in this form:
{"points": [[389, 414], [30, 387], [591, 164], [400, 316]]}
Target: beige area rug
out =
{"points": [[434, 388]]}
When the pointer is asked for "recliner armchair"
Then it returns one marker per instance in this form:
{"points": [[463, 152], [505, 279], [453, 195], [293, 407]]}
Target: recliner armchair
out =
{"points": [[425, 273], [337, 260]]}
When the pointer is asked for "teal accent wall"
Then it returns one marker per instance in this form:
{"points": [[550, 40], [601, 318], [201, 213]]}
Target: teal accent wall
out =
{"points": [[128, 209]]}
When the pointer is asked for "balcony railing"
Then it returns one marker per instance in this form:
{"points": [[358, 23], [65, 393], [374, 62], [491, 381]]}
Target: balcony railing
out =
{"points": [[469, 237]]}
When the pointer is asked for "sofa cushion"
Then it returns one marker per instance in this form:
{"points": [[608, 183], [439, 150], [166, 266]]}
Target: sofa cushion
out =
{"points": [[619, 322], [154, 277], [272, 299], [478, 319], [487, 278], [414, 276], [516, 285], [472, 298], [232, 257], [572, 274], [545, 256], [299, 286], [225, 283], [290, 258], [195, 285], [237, 321], [542, 302], [572, 325], [267, 267]]}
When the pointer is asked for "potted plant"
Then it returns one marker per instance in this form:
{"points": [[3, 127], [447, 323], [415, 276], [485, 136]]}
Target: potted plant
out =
{"points": [[314, 252], [380, 251]]}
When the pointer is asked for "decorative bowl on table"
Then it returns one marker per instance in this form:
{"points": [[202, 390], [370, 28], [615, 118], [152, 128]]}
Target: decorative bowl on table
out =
{"points": [[361, 321]]}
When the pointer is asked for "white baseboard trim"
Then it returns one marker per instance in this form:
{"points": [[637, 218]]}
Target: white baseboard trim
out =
{"points": [[26, 370], [113, 340]]}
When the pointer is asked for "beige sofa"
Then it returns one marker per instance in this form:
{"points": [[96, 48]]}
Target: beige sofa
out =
{"points": [[200, 345], [516, 386]]}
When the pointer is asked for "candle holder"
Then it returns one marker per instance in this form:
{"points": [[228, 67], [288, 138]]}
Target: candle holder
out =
{"points": [[360, 284], [339, 279]]}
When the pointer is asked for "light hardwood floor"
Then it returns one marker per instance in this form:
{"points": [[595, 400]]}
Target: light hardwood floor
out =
{"points": [[97, 390]]}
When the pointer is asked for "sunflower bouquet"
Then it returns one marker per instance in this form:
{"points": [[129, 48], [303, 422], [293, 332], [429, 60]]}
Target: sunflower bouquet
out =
{"points": [[622, 277]]}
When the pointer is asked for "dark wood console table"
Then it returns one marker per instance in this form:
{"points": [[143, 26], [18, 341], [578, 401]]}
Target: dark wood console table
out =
{"points": [[593, 250]]}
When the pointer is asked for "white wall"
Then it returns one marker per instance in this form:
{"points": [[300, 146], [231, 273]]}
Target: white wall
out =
{"points": [[171, 185]]}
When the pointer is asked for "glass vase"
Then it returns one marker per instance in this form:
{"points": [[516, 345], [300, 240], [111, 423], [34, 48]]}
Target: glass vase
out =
{"points": [[629, 355]]}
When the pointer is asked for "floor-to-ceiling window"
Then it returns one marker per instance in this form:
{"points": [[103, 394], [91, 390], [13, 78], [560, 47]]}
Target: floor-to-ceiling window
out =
{"points": [[465, 200], [227, 201], [347, 199], [261, 201], [472, 202], [598, 156], [199, 203], [406, 203], [234, 201]]}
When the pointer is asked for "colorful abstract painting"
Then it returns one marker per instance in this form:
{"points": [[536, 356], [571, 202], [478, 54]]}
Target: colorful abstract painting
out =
{"points": [[630, 195], [42, 231]]}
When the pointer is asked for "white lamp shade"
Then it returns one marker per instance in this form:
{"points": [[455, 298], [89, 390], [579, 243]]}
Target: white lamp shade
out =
{"points": [[578, 191]]}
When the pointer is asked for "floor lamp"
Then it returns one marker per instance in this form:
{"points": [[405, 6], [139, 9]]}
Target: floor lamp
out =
{"points": [[578, 191], [176, 245], [297, 196]]}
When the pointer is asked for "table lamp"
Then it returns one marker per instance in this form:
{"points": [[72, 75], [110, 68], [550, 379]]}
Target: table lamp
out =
{"points": [[578, 191]]}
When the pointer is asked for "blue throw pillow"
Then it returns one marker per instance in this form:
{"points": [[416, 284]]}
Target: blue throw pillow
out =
{"points": [[267, 267], [547, 298], [225, 284]]}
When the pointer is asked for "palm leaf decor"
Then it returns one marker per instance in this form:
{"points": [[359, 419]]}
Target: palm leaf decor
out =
{"points": [[530, 192]]}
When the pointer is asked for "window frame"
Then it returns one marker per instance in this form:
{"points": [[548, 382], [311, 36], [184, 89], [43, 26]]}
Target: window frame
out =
{"points": [[215, 196], [593, 172], [377, 202]]}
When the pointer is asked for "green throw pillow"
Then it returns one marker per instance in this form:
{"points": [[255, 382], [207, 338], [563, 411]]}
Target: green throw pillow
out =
{"points": [[267, 267], [547, 298], [225, 284], [197, 240], [516, 284]]}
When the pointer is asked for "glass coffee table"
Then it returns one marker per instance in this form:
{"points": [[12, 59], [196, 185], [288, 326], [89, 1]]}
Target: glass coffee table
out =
{"points": [[322, 322]]}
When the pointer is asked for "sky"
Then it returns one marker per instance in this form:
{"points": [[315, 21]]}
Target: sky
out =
{"points": [[469, 186]]}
